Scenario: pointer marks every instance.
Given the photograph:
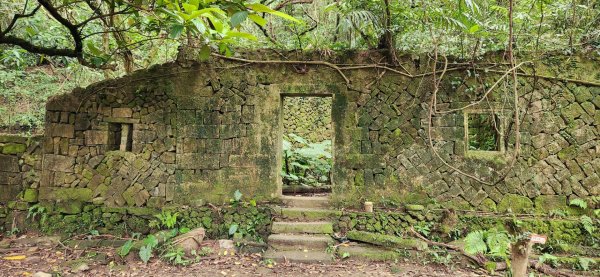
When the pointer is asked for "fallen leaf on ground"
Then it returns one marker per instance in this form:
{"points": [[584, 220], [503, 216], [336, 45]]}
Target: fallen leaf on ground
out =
{"points": [[15, 258]]}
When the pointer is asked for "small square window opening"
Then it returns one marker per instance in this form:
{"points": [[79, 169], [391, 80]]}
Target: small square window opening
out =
{"points": [[484, 132], [120, 136]]}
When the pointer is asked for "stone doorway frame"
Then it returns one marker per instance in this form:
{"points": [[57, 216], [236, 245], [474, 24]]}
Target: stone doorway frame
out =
{"points": [[304, 90]]}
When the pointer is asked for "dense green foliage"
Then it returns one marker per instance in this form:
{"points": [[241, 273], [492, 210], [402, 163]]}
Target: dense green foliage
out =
{"points": [[306, 163]]}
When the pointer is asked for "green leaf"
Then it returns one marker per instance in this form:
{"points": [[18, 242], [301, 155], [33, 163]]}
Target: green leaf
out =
{"points": [[238, 17], [188, 8], [184, 230], [204, 53], [579, 203], [258, 19], [262, 8], [584, 263], [588, 224], [199, 26], [176, 31], [207, 11], [286, 16], [234, 34], [145, 253], [124, 250], [93, 49], [498, 242], [474, 243], [237, 195], [151, 241], [474, 29], [253, 203], [216, 23], [232, 229]]}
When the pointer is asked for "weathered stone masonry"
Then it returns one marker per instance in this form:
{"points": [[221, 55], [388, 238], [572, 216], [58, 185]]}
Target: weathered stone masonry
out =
{"points": [[201, 131]]}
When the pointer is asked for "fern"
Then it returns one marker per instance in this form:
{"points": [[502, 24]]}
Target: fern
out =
{"points": [[588, 224], [475, 243], [578, 202], [498, 242]]}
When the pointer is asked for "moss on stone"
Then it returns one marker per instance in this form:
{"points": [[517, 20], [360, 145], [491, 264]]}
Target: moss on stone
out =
{"points": [[547, 203], [13, 148], [413, 207], [386, 240], [69, 207], [30, 195], [515, 203]]}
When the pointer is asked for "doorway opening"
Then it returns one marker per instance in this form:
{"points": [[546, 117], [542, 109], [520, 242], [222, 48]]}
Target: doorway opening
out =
{"points": [[307, 156]]}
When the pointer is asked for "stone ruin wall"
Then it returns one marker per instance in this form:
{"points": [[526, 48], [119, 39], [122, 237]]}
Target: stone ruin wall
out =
{"points": [[198, 134], [308, 117]]}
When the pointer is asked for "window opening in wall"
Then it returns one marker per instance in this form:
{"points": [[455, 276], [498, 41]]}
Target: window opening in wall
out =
{"points": [[307, 144], [484, 131], [120, 136]]}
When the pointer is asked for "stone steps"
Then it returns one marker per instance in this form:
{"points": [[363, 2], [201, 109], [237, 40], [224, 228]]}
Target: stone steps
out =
{"points": [[308, 257], [305, 214], [299, 242], [315, 227], [301, 231], [314, 202]]}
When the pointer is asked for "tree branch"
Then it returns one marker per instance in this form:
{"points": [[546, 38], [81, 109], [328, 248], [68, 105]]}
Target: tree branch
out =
{"points": [[291, 2], [16, 17], [50, 51], [73, 29]]}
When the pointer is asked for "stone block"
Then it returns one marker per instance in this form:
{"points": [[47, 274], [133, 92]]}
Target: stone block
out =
{"points": [[69, 207], [82, 122], [8, 192], [61, 130], [547, 203], [58, 163], [515, 203], [13, 148], [65, 194], [122, 112], [30, 195], [96, 137], [198, 161], [8, 138], [9, 163]]}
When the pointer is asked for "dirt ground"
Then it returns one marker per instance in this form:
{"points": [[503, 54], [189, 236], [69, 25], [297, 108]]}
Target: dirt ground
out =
{"points": [[27, 259]]}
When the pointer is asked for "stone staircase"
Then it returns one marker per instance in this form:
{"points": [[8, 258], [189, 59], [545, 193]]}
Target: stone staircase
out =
{"points": [[301, 231]]}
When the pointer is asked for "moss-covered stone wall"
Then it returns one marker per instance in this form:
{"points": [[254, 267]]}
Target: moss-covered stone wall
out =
{"points": [[200, 131], [308, 117]]}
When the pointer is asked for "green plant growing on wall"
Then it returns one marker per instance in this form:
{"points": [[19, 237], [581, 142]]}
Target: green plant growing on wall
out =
{"points": [[306, 163], [166, 219], [37, 210]]}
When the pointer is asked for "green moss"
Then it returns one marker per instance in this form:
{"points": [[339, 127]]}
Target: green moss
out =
{"points": [[546, 203], [69, 207], [30, 195], [67, 194], [515, 203], [386, 240], [488, 205], [142, 211], [415, 207], [13, 148]]}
